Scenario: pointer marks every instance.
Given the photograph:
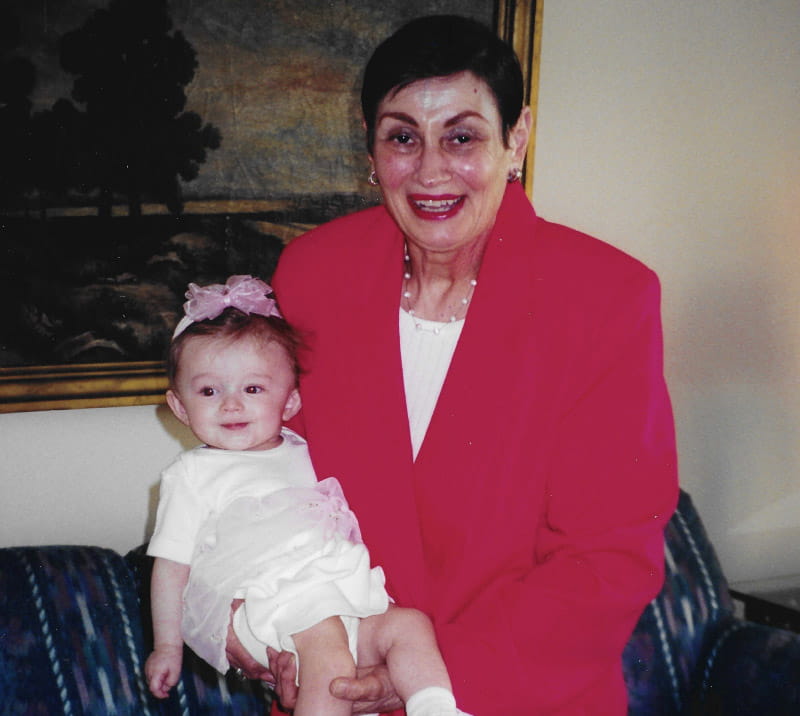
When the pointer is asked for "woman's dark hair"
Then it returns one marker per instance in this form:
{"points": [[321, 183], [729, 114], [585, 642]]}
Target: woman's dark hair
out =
{"points": [[439, 46], [234, 324]]}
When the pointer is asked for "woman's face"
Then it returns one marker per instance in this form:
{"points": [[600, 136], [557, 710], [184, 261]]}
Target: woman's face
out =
{"points": [[441, 161]]}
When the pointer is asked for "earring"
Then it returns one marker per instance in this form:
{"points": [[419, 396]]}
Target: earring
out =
{"points": [[373, 178], [514, 175]]}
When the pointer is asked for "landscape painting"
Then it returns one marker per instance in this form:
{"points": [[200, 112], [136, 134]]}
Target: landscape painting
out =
{"points": [[150, 143]]}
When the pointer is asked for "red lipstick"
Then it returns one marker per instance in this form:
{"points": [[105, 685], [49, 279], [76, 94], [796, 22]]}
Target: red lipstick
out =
{"points": [[435, 208]]}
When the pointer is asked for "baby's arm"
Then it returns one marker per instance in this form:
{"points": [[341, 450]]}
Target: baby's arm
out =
{"points": [[166, 596]]}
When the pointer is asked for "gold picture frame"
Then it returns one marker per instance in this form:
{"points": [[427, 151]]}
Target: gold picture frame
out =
{"points": [[93, 385]]}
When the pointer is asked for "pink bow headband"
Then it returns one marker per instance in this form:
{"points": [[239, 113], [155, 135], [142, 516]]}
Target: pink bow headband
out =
{"points": [[246, 293]]}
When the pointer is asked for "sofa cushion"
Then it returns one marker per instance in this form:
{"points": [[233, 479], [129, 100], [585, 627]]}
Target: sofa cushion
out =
{"points": [[70, 638], [73, 641], [664, 659], [753, 670]]}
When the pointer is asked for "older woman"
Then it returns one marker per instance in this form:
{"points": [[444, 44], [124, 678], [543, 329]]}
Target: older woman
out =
{"points": [[488, 387]]}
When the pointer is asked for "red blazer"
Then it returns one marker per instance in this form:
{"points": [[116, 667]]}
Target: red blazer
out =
{"points": [[530, 526]]}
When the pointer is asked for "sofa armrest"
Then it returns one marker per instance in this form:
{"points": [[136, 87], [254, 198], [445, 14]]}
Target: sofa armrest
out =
{"points": [[751, 670], [70, 635], [74, 636]]}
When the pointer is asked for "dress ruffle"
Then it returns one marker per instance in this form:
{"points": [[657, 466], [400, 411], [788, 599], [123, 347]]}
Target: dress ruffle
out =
{"points": [[295, 556]]}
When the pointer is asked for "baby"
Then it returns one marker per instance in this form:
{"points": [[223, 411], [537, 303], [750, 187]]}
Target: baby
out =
{"points": [[244, 517]]}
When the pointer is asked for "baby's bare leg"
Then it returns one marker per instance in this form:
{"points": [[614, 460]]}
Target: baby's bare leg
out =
{"points": [[404, 639], [323, 655]]}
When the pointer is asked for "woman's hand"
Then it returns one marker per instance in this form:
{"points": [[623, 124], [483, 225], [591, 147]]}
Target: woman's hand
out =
{"points": [[371, 691], [283, 665], [239, 657]]}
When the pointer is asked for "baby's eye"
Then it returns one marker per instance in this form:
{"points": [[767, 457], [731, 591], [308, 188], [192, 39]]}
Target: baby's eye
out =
{"points": [[253, 389], [207, 391]]}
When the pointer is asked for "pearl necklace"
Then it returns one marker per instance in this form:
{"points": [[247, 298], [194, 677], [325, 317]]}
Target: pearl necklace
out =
{"points": [[437, 329]]}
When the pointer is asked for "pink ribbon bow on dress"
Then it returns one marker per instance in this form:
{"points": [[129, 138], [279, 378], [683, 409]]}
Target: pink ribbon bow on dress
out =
{"points": [[244, 292]]}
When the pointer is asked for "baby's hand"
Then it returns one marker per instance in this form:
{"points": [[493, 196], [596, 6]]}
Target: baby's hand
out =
{"points": [[162, 669]]}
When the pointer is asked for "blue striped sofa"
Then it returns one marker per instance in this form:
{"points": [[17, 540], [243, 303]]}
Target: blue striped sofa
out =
{"points": [[689, 654], [74, 630], [74, 635]]}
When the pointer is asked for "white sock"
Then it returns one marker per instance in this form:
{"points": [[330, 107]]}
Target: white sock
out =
{"points": [[432, 701]]}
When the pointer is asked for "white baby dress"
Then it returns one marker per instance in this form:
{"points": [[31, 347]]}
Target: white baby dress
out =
{"points": [[257, 525]]}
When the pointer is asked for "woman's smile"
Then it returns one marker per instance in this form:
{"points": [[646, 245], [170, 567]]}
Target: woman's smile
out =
{"points": [[435, 208]]}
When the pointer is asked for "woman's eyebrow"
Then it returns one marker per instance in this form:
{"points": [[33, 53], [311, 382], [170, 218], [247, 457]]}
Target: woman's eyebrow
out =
{"points": [[466, 114], [400, 116], [408, 119]]}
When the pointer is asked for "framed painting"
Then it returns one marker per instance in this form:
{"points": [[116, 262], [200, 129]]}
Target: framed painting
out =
{"points": [[99, 234]]}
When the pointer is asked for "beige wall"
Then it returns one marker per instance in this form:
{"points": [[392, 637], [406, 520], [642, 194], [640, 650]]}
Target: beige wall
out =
{"points": [[670, 129], [84, 476]]}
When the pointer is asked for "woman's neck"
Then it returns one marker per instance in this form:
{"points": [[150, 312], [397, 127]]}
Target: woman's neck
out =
{"points": [[439, 286]]}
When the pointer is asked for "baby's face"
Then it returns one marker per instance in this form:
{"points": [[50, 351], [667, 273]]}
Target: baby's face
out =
{"points": [[234, 395]]}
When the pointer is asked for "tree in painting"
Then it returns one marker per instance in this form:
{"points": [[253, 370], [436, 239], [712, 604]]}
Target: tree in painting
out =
{"points": [[17, 79], [130, 72]]}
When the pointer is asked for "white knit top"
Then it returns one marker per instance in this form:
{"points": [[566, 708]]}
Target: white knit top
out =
{"points": [[426, 359]]}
